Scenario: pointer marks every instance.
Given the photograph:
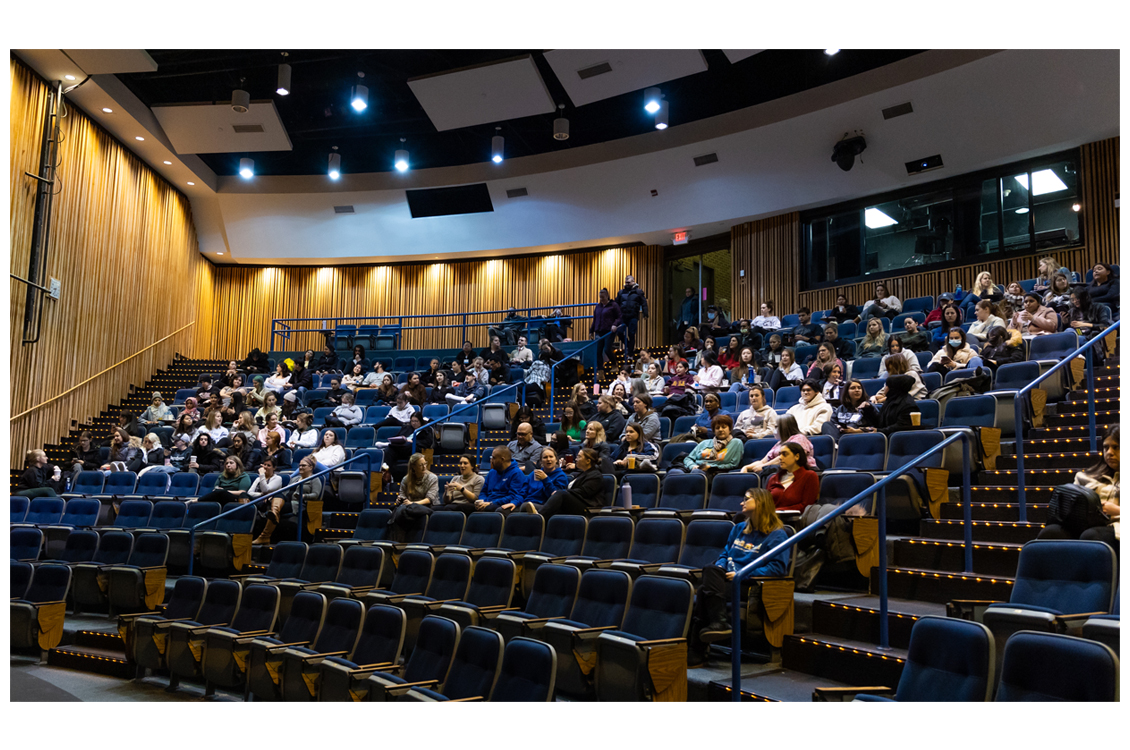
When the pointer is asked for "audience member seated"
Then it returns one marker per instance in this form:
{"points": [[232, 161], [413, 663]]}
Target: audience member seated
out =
{"points": [[508, 329], [983, 289], [758, 421], [1046, 270], [205, 457], [354, 379], [678, 383], [440, 389], [266, 481], [842, 312], [304, 435], [271, 427], [256, 362], [241, 448], [153, 451], [280, 379], [39, 480], [944, 300], [327, 362], [462, 491], [674, 355], [184, 429], [833, 387], [716, 319], [1102, 479], [845, 348], [525, 415], [235, 386], [825, 356], [635, 454], [428, 376], [691, 343], [1013, 300], [504, 485], [643, 362], [419, 491], [729, 357], [1104, 285], [128, 422], [244, 423], [644, 417], [585, 491], [1058, 297], [709, 377], [767, 321], [715, 455], [213, 426], [619, 394], [983, 311], [711, 407], [521, 356], [232, 484], [653, 380], [895, 365], [524, 449], [897, 350], [787, 373], [281, 523], [277, 452], [85, 454], [269, 408], [794, 486], [206, 388], [494, 350], [914, 339], [125, 452], [256, 396], [571, 422], [854, 415], [357, 358], [597, 440], [1003, 346], [557, 325], [301, 380], [806, 331], [1034, 319], [1088, 317], [398, 416], [787, 431], [157, 414], [469, 391], [609, 416], [874, 343], [760, 532], [498, 372], [897, 406], [954, 355], [546, 479], [744, 375], [329, 453], [885, 305], [812, 411], [233, 370], [709, 346], [951, 318]]}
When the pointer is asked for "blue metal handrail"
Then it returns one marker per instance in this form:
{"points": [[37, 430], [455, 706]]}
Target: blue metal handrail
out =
{"points": [[1086, 350], [285, 488], [573, 354], [965, 436]]}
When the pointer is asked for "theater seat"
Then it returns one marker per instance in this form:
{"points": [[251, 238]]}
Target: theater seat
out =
{"points": [[413, 573], [656, 541], [225, 646], [360, 572], [287, 559], [25, 544], [114, 548], [553, 595], [139, 629], [140, 583], [450, 582], [473, 673], [221, 538], [429, 662], [608, 538], [20, 578], [180, 552], [323, 561], [1044, 667], [564, 536], [372, 526], [528, 673], [264, 658], [299, 672], [36, 620], [490, 593], [379, 646], [704, 541]]}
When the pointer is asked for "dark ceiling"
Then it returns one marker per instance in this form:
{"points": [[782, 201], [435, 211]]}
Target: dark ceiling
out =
{"points": [[317, 114]]}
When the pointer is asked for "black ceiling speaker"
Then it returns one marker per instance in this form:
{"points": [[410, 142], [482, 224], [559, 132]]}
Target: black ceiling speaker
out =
{"points": [[846, 150]]}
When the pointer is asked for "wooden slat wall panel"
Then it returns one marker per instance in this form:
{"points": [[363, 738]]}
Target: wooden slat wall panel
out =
{"points": [[124, 247], [770, 251], [247, 299]]}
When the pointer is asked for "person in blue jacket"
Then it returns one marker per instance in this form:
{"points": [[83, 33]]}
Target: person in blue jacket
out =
{"points": [[505, 484], [544, 481], [761, 531]]}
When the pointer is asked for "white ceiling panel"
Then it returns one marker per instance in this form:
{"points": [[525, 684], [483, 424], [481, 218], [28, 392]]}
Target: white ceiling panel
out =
{"points": [[488, 93], [737, 55], [95, 61], [632, 70], [211, 128], [52, 64]]}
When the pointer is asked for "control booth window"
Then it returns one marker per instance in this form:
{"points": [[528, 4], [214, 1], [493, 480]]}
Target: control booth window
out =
{"points": [[1013, 210]]}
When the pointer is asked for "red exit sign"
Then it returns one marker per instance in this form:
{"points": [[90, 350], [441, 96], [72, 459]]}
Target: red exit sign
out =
{"points": [[681, 238]]}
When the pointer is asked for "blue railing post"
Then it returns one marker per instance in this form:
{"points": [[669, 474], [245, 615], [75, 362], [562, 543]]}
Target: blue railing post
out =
{"points": [[1091, 406], [884, 626], [552, 382], [966, 498]]}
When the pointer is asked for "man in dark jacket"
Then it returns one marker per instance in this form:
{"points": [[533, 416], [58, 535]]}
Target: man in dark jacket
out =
{"points": [[502, 490], [606, 318], [633, 304], [688, 313], [508, 330], [806, 331], [256, 362]]}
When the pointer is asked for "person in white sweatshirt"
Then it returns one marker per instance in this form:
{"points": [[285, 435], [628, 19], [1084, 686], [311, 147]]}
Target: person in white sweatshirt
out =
{"points": [[885, 305], [812, 411], [305, 436], [979, 331], [759, 420]]}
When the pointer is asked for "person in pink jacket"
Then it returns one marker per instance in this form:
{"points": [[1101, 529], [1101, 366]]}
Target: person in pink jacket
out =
{"points": [[1035, 318]]}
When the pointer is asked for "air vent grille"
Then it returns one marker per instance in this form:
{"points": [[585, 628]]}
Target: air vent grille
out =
{"points": [[897, 111], [247, 128], [344, 210], [517, 193], [705, 159], [594, 70]]}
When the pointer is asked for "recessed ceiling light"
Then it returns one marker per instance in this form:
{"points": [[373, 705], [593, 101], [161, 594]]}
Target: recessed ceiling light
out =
{"points": [[69, 78], [107, 110], [1021, 210], [219, 253], [192, 183], [138, 138], [830, 52], [169, 163]]}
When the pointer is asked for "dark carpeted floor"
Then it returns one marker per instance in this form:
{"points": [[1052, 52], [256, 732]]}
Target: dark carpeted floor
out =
{"points": [[26, 687]]}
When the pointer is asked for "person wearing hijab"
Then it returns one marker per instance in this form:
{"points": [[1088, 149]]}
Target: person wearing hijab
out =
{"points": [[895, 414]]}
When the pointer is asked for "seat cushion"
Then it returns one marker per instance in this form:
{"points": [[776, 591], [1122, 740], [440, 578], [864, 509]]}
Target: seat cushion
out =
{"points": [[622, 634]]}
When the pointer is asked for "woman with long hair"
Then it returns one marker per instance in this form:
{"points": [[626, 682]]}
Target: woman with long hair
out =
{"points": [[674, 356], [788, 372], [1103, 479], [635, 453], [898, 351], [1034, 318], [759, 420], [1002, 347], [572, 424], [833, 388], [653, 380], [955, 354], [387, 390], [184, 429], [1058, 296], [584, 404], [354, 378], [794, 486], [874, 342], [854, 415], [277, 452], [231, 485], [585, 491], [440, 390], [825, 355], [205, 457], [270, 406], [279, 380], [1087, 317], [898, 366], [415, 390], [745, 374], [419, 491], [728, 357], [787, 431]]}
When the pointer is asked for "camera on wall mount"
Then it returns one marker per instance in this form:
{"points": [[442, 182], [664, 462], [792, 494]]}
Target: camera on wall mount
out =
{"points": [[848, 147]]}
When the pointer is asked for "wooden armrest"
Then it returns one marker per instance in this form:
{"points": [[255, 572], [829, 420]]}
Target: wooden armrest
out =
{"points": [[370, 668], [281, 646], [589, 634], [475, 699], [250, 635], [405, 687], [661, 642], [767, 578], [1080, 615], [202, 628], [328, 654], [828, 694], [539, 620], [44, 604], [135, 615]]}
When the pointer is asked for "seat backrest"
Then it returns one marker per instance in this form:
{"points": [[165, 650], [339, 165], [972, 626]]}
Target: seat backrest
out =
{"points": [[342, 626], [609, 537], [1053, 346], [239, 522], [705, 540], [728, 492], [167, 514], [376, 414], [372, 524], [522, 532], [49, 583], [434, 411], [382, 636], [81, 546], [684, 424], [152, 483], [671, 450], [918, 304], [208, 482], [658, 540], [150, 551], [564, 535], [19, 506], [114, 548], [755, 450], [436, 643], [786, 397], [88, 483], [413, 572], [287, 559], [528, 673], [21, 573], [823, 447], [660, 607], [492, 584], [121, 483], [444, 527], [81, 511], [931, 411], [684, 491], [200, 511], [360, 566], [323, 561], [25, 543], [1066, 575], [1047, 667], [837, 489], [476, 665], [360, 437], [187, 598], [868, 367], [222, 600], [554, 592], [1016, 375], [932, 380], [905, 446], [602, 598], [451, 578], [133, 514], [970, 411], [645, 489], [45, 511], [949, 659], [863, 452], [482, 530], [307, 615]]}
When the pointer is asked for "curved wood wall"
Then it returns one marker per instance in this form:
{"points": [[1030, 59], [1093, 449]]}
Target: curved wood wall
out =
{"points": [[124, 247], [248, 298]]}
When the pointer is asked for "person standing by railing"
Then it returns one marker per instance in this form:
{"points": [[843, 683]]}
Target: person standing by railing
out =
{"points": [[633, 303], [606, 318]]}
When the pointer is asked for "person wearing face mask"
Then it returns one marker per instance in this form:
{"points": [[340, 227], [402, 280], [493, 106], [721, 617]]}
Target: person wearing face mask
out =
{"points": [[747, 337], [954, 355], [633, 305], [983, 311], [1034, 319], [716, 316], [812, 411]]}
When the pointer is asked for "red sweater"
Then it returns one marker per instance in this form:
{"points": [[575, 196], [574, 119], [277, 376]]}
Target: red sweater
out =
{"points": [[798, 495]]}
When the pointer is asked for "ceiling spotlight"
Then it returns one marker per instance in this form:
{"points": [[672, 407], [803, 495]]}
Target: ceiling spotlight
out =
{"points": [[662, 117], [651, 99], [335, 165], [107, 110], [1076, 207], [1022, 210], [359, 95], [191, 184], [246, 168], [844, 152], [561, 125], [496, 145], [219, 253], [169, 163], [830, 52], [138, 138], [240, 101], [69, 78], [400, 159], [284, 78]]}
